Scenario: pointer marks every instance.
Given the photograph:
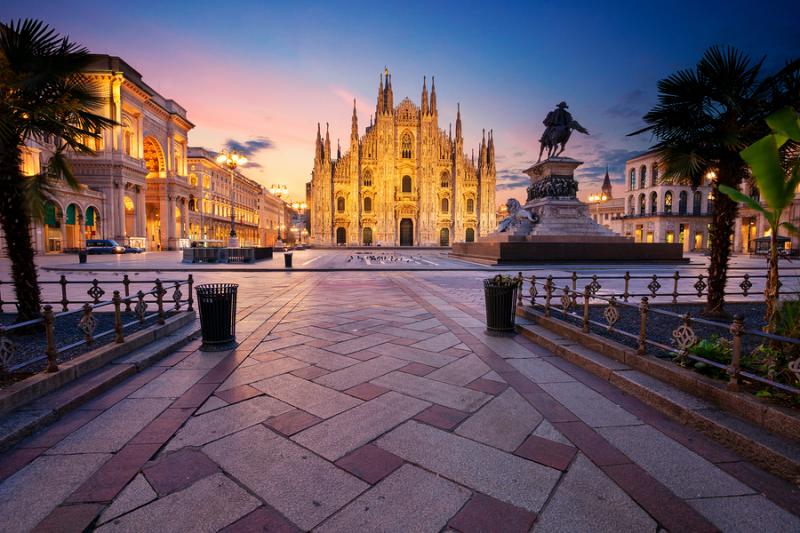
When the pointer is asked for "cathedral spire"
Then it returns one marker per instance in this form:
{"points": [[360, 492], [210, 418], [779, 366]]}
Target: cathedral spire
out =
{"points": [[327, 143], [319, 144], [458, 122], [354, 124], [380, 97], [606, 187], [424, 96], [389, 95], [433, 95], [338, 150]]}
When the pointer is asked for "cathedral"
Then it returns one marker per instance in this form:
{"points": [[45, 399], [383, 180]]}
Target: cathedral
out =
{"points": [[405, 182]]}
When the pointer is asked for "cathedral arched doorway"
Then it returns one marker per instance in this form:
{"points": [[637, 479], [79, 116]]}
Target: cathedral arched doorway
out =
{"points": [[367, 236], [406, 232], [341, 236], [470, 235], [444, 237]]}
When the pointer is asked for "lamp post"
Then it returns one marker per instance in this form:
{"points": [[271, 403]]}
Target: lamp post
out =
{"points": [[231, 159]]}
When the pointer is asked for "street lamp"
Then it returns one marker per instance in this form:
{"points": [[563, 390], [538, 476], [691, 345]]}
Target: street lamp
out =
{"points": [[279, 190], [231, 159]]}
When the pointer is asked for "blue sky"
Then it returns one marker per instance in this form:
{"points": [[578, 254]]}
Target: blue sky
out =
{"points": [[257, 70]]}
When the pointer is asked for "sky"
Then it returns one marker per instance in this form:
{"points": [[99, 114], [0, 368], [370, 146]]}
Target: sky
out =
{"points": [[261, 75]]}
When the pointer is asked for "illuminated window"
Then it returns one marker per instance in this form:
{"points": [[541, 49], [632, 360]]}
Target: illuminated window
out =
{"points": [[668, 202], [654, 202], [340, 204], [470, 205], [405, 146], [445, 205], [406, 187], [633, 179], [643, 177]]}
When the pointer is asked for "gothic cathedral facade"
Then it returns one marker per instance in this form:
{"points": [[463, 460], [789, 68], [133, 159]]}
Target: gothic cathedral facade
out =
{"points": [[405, 182]]}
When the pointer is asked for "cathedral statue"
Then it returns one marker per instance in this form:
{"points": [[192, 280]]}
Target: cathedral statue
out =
{"points": [[517, 216], [560, 125]]}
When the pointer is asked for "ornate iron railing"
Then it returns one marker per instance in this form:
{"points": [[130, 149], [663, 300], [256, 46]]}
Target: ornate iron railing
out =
{"points": [[674, 287], [125, 306], [575, 306]]}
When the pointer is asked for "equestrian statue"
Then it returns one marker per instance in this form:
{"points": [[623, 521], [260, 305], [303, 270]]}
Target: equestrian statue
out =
{"points": [[560, 125]]}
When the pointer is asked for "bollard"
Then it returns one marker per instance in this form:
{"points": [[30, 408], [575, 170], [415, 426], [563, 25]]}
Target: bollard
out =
{"points": [[586, 295], [118, 338], [643, 309], [737, 329]]}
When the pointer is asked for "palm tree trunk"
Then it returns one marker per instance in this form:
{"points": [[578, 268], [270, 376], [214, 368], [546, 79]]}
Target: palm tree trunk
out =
{"points": [[15, 223], [722, 227], [772, 288]]}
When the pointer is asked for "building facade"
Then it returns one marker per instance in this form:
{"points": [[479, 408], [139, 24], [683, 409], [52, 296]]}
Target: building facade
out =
{"points": [[751, 224], [145, 186], [405, 182], [605, 209], [661, 211]]}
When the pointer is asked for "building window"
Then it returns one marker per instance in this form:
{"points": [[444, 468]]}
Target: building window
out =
{"points": [[654, 202], [406, 184], [668, 202], [643, 177], [445, 205], [654, 179], [368, 179], [633, 179], [405, 147], [642, 204], [682, 200], [340, 204], [696, 202], [445, 180], [470, 235], [631, 206], [470, 205], [367, 205], [709, 204]]}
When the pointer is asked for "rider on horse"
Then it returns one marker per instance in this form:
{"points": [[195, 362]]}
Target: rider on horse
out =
{"points": [[559, 128]]}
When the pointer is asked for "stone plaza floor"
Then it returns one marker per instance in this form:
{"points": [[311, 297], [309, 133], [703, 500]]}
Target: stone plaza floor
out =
{"points": [[374, 401]]}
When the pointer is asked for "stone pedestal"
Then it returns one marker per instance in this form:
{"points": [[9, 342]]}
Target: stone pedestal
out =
{"points": [[564, 231]]}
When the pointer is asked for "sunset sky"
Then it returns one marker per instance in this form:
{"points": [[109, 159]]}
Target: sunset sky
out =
{"points": [[266, 74]]}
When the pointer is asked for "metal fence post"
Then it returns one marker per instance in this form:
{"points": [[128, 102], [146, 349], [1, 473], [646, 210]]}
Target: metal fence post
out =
{"points": [[141, 307], [191, 296], [676, 277], [586, 295], [52, 353], [532, 292], [627, 286], [117, 318], [737, 329], [126, 283], [643, 309], [574, 281], [62, 280], [548, 290], [160, 300], [521, 283], [86, 323]]}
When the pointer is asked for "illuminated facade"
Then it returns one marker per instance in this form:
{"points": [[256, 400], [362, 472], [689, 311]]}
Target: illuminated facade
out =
{"points": [[405, 182], [661, 211]]}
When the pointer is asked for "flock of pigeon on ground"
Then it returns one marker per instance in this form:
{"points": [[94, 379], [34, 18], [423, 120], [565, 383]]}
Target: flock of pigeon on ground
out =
{"points": [[383, 258]]}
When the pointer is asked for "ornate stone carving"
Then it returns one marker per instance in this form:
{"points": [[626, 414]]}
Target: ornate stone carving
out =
{"points": [[553, 187]]}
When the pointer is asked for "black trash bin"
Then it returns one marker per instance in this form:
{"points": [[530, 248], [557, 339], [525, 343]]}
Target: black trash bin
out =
{"points": [[217, 305], [81, 256], [500, 294], [287, 259]]}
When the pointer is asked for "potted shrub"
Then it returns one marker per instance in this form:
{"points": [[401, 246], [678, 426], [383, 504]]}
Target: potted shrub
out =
{"points": [[500, 294]]}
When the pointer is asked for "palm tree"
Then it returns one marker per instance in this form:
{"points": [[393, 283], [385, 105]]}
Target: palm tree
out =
{"points": [[704, 117], [45, 98]]}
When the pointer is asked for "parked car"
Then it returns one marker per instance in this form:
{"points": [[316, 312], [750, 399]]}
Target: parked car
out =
{"points": [[132, 249], [104, 246]]}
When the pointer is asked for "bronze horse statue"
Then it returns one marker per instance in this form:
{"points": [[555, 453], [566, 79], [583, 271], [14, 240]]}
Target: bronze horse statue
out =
{"points": [[560, 125]]}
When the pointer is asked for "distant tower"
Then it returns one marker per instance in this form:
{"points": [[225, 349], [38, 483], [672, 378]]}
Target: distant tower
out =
{"points": [[606, 188]]}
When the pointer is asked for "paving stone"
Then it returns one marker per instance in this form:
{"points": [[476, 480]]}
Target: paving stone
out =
{"points": [[413, 355], [202, 429], [347, 431], [319, 357], [404, 333], [487, 386], [438, 343], [292, 422], [546, 430], [200, 360], [423, 325], [370, 463], [15, 459], [503, 423], [366, 391], [685, 473], [587, 500], [110, 431], [411, 499], [318, 400], [493, 376], [178, 470], [303, 487], [499, 474], [745, 514], [325, 334], [540, 371], [170, 384], [484, 514], [441, 417], [360, 373], [251, 374], [108, 481], [546, 452], [263, 520], [70, 518], [137, 493], [461, 371], [363, 355], [52, 434], [163, 427], [360, 343], [433, 391], [25, 497], [590, 406], [206, 506], [212, 403], [310, 372], [195, 396], [239, 394], [282, 342], [417, 369]]}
